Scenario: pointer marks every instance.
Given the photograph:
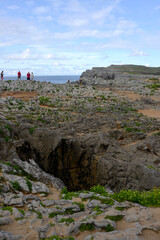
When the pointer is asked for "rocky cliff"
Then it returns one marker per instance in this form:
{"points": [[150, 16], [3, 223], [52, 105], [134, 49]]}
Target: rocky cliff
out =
{"points": [[105, 132]]}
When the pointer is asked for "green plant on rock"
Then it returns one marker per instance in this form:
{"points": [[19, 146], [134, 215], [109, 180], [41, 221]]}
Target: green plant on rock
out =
{"points": [[99, 189], [51, 224], [19, 218], [69, 211], [29, 184], [31, 130], [98, 210], [54, 214], [115, 218], [16, 186], [21, 211], [8, 208], [55, 237], [68, 195], [80, 204], [86, 227], [44, 100], [19, 171], [7, 139], [66, 220], [109, 228], [108, 201], [120, 208], [8, 127], [39, 214]]}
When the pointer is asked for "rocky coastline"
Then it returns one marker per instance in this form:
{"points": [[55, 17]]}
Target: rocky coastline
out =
{"points": [[103, 130]]}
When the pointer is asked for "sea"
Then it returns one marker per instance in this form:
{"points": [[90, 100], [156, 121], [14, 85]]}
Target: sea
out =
{"points": [[57, 79]]}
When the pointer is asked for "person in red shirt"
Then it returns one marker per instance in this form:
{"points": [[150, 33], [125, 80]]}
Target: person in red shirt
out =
{"points": [[28, 76], [2, 75], [19, 75]]}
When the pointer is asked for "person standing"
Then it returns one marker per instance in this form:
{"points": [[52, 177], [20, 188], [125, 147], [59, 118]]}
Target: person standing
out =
{"points": [[32, 76], [28, 76], [19, 75], [2, 75]]}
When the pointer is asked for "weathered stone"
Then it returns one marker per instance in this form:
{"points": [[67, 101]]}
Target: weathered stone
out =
{"points": [[13, 199], [17, 213], [48, 203], [5, 220], [6, 235]]}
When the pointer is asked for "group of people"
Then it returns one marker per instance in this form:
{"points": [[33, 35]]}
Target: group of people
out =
{"points": [[30, 76]]}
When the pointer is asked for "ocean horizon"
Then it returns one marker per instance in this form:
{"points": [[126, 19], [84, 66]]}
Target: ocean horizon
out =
{"points": [[57, 79]]}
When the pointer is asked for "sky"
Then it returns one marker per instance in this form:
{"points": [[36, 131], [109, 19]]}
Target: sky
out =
{"points": [[66, 37]]}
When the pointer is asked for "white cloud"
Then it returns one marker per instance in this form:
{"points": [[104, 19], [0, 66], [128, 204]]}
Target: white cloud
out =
{"points": [[74, 6], [45, 18], [157, 7], [30, 3], [105, 12], [73, 21], [40, 10], [13, 7], [25, 55], [137, 53]]}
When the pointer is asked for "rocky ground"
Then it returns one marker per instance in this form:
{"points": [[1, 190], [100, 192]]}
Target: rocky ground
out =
{"points": [[104, 131]]}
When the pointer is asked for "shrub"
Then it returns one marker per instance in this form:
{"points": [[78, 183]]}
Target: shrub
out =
{"points": [[147, 198], [99, 189]]}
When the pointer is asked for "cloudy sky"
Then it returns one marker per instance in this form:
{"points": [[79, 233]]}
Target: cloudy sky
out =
{"points": [[60, 37]]}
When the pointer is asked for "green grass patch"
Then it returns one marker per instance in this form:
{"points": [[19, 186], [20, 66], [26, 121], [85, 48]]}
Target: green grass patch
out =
{"points": [[115, 218], [68, 195], [54, 214]]}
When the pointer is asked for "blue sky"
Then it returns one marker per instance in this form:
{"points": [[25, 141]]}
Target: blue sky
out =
{"points": [[60, 37]]}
